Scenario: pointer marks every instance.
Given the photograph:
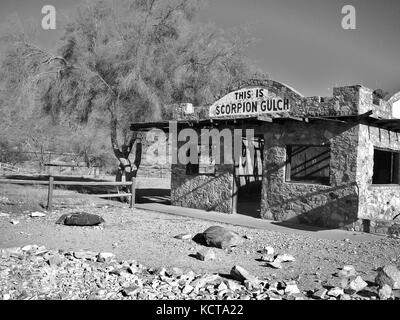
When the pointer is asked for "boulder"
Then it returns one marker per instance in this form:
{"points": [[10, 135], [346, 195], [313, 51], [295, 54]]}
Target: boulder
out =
{"points": [[80, 219], [221, 237], [389, 275]]}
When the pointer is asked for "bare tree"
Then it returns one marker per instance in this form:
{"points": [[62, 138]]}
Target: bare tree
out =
{"points": [[125, 60]]}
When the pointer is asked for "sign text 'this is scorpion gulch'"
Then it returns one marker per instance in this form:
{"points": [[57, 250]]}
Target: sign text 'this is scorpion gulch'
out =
{"points": [[247, 102]]}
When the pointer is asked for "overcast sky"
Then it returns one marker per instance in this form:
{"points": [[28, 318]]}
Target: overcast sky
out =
{"points": [[299, 42]]}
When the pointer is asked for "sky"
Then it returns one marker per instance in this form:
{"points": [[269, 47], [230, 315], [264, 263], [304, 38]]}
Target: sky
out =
{"points": [[298, 42]]}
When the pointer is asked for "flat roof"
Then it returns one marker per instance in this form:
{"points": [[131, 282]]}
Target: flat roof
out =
{"points": [[366, 118]]}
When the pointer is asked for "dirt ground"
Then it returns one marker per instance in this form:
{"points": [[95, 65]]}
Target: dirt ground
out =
{"points": [[148, 237]]}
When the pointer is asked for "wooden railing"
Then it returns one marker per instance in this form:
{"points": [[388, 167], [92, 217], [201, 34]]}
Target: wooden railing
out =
{"points": [[51, 183]]}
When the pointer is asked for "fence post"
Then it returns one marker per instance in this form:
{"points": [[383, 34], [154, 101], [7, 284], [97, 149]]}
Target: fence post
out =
{"points": [[50, 194], [133, 190]]}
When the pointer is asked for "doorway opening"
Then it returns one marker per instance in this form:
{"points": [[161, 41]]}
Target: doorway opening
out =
{"points": [[248, 178]]}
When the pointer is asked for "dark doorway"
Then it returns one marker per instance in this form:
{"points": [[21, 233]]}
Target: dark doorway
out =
{"points": [[248, 177]]}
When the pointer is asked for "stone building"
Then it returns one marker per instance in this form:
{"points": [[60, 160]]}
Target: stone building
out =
{"points": [[332, 162]]}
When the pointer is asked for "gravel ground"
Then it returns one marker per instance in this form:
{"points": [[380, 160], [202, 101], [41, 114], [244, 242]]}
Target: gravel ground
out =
{"points": [[148, 238]]}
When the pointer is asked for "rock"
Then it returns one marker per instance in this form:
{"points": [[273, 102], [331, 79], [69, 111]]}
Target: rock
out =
{"points": [[54, 260], [221, 237], [389, 275], [37, 214], [176, 272], [247, 237], [352, 285], [184, 236], [267, 251], [347, 271], [284, 258], [133, 269], [358, 284], [187, 289], [233, 286], [14, 221], [88, 255], [206, 255], [80, 219], [385, 292], [345, 297], [291, 288], [6, 296], [319, 294], [240, 274], [13, 252], [335, 292], [29, 248], [275, 265], [222, 286], [268, 258], [131, 290], [105, 256]]}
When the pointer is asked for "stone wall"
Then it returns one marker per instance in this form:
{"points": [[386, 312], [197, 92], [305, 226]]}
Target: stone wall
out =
{"points": [[376, 201], [207, 192], [334, 205]]}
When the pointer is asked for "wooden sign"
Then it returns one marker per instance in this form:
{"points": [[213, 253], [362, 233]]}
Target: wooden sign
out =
{"points": [[248, 102]]}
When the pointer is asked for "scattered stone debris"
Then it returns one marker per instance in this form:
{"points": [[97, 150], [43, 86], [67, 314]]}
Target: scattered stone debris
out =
{"points": [[4, 215], [37, 214], [35, 272], [80, 219], [221, 237], [183, 236]]}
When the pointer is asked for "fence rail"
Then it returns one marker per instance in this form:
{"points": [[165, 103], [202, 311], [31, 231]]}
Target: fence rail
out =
{"points": [[51, 183]]}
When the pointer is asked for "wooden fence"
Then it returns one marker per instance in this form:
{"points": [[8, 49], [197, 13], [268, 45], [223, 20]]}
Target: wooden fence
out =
{"points": [[51, 183]]}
